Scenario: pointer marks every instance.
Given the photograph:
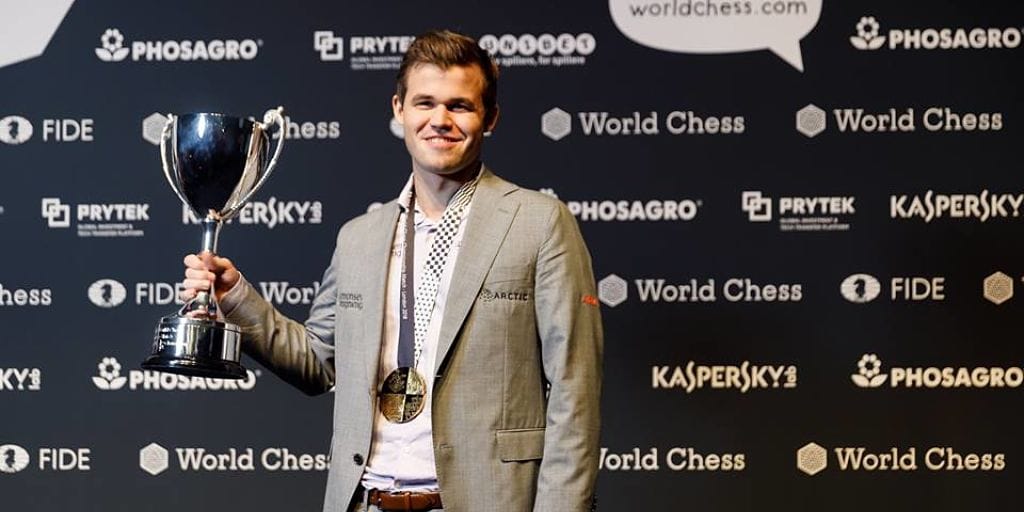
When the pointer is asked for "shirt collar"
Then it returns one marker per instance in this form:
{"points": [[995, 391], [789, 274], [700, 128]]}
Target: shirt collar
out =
{"points": [[403, 196]]}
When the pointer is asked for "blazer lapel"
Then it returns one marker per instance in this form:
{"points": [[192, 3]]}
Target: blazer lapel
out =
{"points": [[489, 218], [377, 257]]}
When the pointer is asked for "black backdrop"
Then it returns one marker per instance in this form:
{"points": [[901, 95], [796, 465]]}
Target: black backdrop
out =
{"points": [[74, 426]]}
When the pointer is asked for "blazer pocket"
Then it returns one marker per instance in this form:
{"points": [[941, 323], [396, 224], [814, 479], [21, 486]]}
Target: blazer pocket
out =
{"points": [[504, 274], [521, 444]]}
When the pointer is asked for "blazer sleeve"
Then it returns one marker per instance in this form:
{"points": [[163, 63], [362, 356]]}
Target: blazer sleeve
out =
{"points": [[301, 354], [571, 337]]}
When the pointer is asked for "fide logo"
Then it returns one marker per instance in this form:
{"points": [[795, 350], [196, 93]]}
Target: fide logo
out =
{"points": [[860, 288], [13, 458], [15, 130], [107, 293]]}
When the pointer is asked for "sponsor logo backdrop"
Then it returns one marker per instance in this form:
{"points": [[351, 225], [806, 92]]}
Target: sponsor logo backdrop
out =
{"points": [[804, 216]]}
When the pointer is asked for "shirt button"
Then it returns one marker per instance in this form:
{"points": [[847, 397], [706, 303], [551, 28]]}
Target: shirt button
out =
{"points": [[358, 459]]}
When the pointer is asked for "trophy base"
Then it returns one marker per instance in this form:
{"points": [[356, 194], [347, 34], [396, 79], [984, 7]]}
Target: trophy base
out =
{"points": [[196, 347]]}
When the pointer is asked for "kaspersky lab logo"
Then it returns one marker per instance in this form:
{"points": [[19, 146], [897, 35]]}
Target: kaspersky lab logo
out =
{"points": [[113, 48]]}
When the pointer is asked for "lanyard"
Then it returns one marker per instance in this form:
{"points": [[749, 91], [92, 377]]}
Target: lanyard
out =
{"points": [[406, 337]]}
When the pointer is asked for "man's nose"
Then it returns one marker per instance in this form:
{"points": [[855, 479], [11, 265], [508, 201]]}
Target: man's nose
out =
{"points": [[440, 117]]}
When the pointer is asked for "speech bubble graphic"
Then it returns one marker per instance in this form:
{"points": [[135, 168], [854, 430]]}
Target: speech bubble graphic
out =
{"points": [[719, 26]]}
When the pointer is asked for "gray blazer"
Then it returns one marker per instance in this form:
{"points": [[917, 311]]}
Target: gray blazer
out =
{"points": [[515, 408]]}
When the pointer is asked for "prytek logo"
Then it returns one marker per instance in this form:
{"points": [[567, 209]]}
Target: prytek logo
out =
{"points": [[675, 459], [155, 459], [113, 49], [109, 378], [932, 206], [15, 130], [812, 459], [868, 37], [870, 375], [107, 293], [556, 124], [801, 214], [20, 379], [25, 297], [365, 53], [331, 47], [743, 377], [860, 288], [539, 50], [632, 210], [269, 213], [13, 458], [96, 220]]}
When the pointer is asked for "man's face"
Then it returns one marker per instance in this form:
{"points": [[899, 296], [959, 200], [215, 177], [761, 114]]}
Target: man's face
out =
{"points": [[443, 117]]}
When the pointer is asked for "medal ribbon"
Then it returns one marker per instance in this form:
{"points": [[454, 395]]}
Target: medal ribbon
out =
{"points": [[413, 329]]}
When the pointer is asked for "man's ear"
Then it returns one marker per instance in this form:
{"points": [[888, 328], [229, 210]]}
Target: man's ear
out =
{"points": [[491, 119], [396, 108]]}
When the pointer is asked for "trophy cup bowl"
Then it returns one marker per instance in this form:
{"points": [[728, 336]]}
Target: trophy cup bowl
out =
{"points": [[214, 163]]}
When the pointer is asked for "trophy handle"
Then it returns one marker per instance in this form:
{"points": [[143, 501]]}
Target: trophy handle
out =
{"points": [[271, 117], [168, 155]]}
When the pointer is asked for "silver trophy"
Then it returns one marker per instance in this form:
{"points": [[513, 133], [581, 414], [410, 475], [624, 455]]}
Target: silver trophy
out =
{"points": [[215, 163]]}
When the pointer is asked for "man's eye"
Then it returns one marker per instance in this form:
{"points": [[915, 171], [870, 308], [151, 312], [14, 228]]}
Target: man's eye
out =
{"points": [[424, 104], [460, 107]]}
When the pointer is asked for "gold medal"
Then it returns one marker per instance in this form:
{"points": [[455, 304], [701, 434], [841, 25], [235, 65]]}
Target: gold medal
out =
{"points": [[402, 395]]}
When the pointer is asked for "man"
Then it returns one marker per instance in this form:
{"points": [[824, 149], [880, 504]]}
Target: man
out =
{"points": [[467, 369]]}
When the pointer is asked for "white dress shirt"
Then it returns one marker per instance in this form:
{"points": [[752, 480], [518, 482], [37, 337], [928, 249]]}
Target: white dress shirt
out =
{"points": [[402, 454]]}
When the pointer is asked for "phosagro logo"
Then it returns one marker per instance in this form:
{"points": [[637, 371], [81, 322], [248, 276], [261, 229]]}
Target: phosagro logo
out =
{"points": [[634, 210], [743, 377], [269, 213], [97, 220], [15, 130], [13, 458], [110, 379], [870, 375], [931, 206], [113, 48], [808, 213], [869, 37], [539, 50]]}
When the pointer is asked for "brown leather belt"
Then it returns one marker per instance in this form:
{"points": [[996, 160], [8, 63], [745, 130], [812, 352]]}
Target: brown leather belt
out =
{"points": [[404, 501]]}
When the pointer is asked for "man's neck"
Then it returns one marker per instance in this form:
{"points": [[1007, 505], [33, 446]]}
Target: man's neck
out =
{"points": [[434, 191]]}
